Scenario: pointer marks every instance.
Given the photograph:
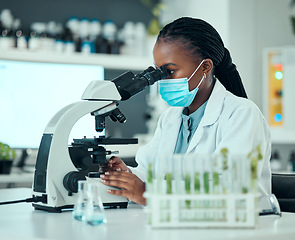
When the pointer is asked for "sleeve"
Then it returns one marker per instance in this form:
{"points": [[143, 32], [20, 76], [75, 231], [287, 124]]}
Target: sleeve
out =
{"points": [[246, 129]]}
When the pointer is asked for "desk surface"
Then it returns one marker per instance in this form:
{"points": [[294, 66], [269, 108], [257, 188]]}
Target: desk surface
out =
{"points": [[21, 221]]}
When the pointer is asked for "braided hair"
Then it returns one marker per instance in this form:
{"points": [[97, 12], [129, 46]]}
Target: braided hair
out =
{"points": [[202, 40]]}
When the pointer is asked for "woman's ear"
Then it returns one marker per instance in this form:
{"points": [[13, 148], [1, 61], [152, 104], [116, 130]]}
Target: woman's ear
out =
{"points": [[207, 66]]}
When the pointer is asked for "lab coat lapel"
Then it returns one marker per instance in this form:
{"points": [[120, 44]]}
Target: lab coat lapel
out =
{"points": [[196, 138], [211, 114], [171, 133]]}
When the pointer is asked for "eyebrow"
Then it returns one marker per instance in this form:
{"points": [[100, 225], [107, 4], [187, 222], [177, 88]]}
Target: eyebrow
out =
{"points": [[165, 65]]}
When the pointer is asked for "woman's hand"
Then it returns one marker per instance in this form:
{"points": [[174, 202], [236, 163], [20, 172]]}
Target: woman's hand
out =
{"points": [[132, 187], [116, 164]]}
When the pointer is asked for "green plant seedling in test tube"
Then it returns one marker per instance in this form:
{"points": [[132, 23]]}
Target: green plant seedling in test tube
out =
{"points": [[187, 188], [168, 178]]}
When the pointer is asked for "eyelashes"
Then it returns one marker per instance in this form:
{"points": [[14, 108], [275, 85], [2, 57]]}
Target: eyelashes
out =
{"points": [[170, 72]]}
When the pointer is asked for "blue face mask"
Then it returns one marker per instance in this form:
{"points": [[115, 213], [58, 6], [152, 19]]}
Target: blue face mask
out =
{"points": [[176, 91]]}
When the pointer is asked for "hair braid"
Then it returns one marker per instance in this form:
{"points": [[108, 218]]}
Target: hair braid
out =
{"points": [[201, 39]]}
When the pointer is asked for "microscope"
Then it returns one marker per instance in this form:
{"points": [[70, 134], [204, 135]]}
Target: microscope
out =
{"points": [[59, 167]]}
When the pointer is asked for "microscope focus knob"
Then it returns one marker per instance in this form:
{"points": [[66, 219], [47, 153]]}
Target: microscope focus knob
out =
{"points": [[70, 181]]}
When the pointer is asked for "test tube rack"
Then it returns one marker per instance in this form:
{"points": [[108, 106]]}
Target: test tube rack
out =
{"points": [[202, 210]]}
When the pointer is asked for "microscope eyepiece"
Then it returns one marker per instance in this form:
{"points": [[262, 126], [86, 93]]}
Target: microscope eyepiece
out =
{"points": [[141, 74], [129, 85], [156, 75]]}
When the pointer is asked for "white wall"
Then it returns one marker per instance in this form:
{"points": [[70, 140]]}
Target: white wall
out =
{"points": [[273, 30], [242, 25], [216, 12], [254, 26]]}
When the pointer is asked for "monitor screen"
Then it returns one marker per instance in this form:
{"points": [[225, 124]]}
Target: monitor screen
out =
{"points": [[32, 92]]}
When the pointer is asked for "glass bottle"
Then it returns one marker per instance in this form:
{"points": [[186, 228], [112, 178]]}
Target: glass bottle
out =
{"points": [[80, 205], [20, 41], [6, 39], [94, 212]]}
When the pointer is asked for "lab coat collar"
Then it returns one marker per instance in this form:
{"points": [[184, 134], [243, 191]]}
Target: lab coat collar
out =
{"points": [[214, 105], [173, 124], [211, 114]]}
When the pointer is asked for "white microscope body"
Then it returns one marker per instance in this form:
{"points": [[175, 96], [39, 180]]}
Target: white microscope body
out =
{"points": [[56, 174]]}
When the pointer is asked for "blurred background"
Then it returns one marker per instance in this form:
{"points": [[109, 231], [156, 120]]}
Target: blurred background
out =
{"points": [[51, 50]]}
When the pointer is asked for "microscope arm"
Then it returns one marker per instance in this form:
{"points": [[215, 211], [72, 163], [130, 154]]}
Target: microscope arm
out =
{"points": [[53, 160]]}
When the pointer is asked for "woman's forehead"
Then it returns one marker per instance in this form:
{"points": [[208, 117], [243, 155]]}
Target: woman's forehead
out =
{"points": [[171, 53]]}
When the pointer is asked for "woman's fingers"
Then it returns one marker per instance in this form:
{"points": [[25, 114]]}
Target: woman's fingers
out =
{"points": [[119, 192], [116, 179], [131, 186], [115, 160], [116, 163]]}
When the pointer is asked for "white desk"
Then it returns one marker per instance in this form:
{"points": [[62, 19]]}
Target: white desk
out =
{"points": [[21, 221]]}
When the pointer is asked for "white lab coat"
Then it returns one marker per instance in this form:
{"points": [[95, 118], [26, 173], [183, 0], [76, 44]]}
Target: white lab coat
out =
{"points": [[229, 121]]}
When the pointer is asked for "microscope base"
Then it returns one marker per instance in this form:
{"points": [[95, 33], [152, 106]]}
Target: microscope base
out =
{"points": [[70, 207], [52, 209], [116, 205]]}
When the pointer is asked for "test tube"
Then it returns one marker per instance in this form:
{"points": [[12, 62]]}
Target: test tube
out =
{"points": [[163, 172], [215, 174], [199, 184], [192, 185], [160, 172], [178, 183], [150, 186], [216, 187], [177, 164], [188, 166], [237, 161], [226, 176], [208, 185], [255, 156]]}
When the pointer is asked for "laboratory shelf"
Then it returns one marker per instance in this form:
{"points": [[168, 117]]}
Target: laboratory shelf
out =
{"points": [[108, 61]]}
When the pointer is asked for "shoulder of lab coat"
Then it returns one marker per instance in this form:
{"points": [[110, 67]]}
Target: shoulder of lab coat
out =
{"points": [[229, 121]]}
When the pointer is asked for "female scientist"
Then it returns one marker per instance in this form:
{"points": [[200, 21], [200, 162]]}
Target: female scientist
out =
{"points": [[209, 107]]}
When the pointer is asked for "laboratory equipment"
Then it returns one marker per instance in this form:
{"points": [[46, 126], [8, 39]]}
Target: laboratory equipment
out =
{"points": [[275, 89], [278, 93], [59, 167]]}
